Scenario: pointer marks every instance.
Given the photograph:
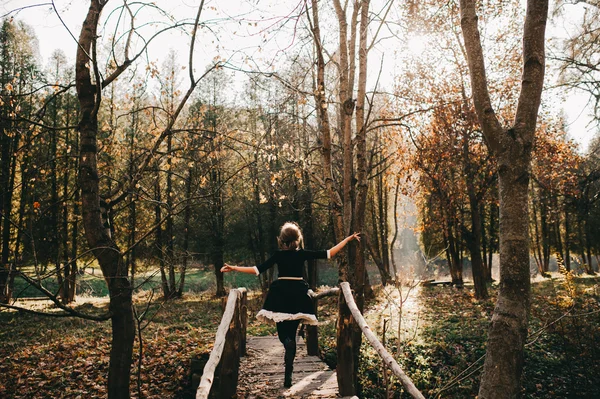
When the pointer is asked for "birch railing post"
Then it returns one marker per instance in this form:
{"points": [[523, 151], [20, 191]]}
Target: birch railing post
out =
{"points": [[224, 360], [385, 355]]}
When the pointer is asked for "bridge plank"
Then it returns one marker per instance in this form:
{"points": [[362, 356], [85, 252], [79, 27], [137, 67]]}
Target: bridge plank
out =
{"points": [[261, 372]]}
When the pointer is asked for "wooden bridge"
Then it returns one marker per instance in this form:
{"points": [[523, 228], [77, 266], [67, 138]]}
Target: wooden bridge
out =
{"points": [[252, 367], [262, 372]]}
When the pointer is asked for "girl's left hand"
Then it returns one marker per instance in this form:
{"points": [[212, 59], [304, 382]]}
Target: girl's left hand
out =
{"points": [[226, 268], [355, 236]]}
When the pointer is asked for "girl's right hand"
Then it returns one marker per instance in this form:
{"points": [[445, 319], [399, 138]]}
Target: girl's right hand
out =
{"points": [[226, 268]]}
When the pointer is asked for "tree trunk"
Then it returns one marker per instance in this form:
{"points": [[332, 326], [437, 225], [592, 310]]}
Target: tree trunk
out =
{"points": [[170, 244], [475, 249], [5, 209], [186, 231], [159, 248], [537, 250], [503, 365], [395, 237], [493, 246], [508, 330], [474, 236], [75, 226], [99, 239], [309, 235], [567, 240]]}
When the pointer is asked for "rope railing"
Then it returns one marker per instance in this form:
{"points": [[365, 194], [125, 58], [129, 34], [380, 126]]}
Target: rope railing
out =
{"points": [[230, 344], [385, 355]]}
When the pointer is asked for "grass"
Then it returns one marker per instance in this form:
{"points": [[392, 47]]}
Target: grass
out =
{"points": [[197, 280], [561, 356], [48, 357], [68, 358]]}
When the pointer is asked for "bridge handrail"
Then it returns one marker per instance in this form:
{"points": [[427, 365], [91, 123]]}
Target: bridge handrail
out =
{"points": [[385, 355], [229, 315], [312, 332]]}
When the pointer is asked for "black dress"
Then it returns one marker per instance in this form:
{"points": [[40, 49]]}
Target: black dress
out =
{"points": [[288, 298]]}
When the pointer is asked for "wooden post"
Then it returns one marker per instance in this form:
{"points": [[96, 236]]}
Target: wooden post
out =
{"points": [[226, 378], [312, 332], [229, 340], [387, 358], [243, 302]]}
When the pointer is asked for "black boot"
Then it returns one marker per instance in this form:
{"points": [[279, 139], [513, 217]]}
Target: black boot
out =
{"points": [[290, 354], [287, 379]]}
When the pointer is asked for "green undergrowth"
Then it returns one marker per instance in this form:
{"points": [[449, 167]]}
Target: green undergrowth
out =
{"points": [[42, 357], [561, 356]]}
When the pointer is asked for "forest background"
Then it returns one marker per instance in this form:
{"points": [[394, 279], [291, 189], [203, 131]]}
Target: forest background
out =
{"points": [[203, 155]]}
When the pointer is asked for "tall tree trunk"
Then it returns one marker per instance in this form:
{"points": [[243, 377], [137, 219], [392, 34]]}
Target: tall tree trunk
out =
{"points": [[493, 246], [474, 241], [537, 249], [99, 238], [567, 240], [54, 205], [474, 236], [65, 227], [159, 248], [503, 365], [76, 215], [22, 217], [170, 244], [338, 207], [588, 243], [6, 268], [186, 231], [6, 150], [395, 237], [557, 227], [309, 235], [545, 232]]}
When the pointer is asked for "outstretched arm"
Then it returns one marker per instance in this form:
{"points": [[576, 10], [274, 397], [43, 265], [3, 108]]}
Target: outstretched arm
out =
{"points": [[337, 248], [242, 269]]}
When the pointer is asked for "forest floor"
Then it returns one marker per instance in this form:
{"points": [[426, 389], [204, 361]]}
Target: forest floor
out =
{"points": [[441, 348]]}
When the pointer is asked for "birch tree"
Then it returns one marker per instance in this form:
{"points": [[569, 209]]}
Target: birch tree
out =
{"points": [[512, 146]]}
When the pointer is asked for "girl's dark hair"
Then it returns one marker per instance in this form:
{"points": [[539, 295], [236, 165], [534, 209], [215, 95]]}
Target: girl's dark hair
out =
{"points": [[290, 237]]}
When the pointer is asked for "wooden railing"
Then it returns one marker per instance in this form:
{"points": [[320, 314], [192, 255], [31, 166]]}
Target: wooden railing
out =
{"points": [[230, 345], [385, 355], [312, 332]]}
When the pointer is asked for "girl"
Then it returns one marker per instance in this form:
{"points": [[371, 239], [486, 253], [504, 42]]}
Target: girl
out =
{"points": [[287, 301]]}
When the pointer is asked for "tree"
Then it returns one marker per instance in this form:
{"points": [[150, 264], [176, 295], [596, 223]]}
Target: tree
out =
{"points": [[577, 55], [17, 71], [89, 85], [512, 146], [348, 191]]}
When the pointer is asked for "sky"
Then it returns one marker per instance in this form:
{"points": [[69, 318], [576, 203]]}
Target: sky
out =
{"points": [[241, 37]]}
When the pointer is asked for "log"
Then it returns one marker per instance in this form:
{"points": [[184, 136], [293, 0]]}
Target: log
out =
{"points": [[429, 283], [323, 294], [385, 355], [215, 355]]}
